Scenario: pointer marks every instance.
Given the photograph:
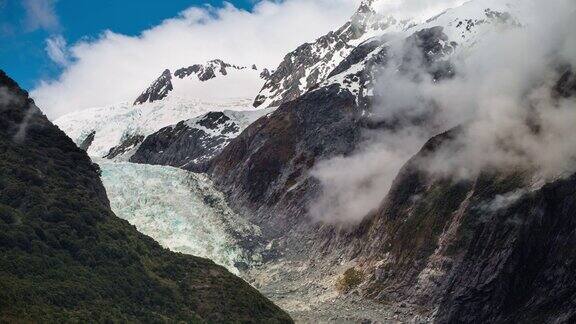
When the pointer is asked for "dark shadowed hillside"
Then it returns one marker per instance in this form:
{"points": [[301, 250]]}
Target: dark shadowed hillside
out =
{"points": [[484, 249], [65, 257]]}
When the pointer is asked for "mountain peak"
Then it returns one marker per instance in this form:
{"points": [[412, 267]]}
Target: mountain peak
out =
{"points": [[213, 69], [158, 90], [311, 63]]}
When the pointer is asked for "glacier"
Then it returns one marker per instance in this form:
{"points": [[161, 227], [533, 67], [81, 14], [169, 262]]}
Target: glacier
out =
{"points": [[180, 210]]}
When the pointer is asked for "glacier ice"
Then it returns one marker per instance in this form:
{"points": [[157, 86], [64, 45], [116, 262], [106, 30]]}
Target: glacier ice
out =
{"points": [[180, 210]]}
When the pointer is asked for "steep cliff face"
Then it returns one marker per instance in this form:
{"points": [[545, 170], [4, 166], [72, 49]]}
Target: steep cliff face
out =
{"points": [[485, 249], [519, 265], [266, 166], [157, 90], [64, 256]]}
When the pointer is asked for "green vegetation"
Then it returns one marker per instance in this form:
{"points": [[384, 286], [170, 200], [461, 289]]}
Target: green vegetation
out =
{"points": [[349, 280], [65, 257]]}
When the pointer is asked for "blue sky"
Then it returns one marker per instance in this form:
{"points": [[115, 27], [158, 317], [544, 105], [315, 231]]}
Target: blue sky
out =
{"points": [[26, 24]]}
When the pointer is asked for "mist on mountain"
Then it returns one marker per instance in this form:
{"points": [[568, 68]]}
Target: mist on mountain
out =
{"points": [[502, 92]]}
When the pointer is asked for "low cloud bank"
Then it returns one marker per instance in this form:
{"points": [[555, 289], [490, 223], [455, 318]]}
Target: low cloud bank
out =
{"points": [[502, 93]]}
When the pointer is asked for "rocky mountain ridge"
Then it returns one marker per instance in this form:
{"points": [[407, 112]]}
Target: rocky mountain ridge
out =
{"points": [[314, 63], [217, 68], [311, 63], [190, 144]]}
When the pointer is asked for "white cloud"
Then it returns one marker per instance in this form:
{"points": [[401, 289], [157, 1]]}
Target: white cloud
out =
{"points": [[117, 67], [40, 14], [501, 94], [415, 9], [57, 50]]}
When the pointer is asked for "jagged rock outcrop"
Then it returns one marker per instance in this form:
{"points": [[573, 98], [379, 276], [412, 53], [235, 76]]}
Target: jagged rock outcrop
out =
{"points": [[164, 84], [310, 64], [126, 147], [158, 90], [207, 71], [64, 255], [566, 86], [85, 144], [179, 146], [190, 144]]}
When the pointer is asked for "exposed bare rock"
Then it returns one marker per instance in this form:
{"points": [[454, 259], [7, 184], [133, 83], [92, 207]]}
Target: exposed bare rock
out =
{"points": [[158, 90]]}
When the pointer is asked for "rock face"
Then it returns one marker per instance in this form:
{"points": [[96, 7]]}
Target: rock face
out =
{"points": [[528, 275], [65, 257], [266, 166], [191, 143], [179, 146], [126, 148], [484, 249], [87, 141], [158, 90], [566, 86]]}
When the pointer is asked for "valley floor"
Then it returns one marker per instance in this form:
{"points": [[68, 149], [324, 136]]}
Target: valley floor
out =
{"points": [[309, 295]]}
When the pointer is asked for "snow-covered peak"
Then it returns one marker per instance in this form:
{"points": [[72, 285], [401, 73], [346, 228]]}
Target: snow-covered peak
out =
{"points": [[453, 33], [176, 95], [213, 80], [312, 64], [470, 23]]}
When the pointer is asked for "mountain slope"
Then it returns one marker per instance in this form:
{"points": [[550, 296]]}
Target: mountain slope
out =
{"points": [[486, 249], [267, 168], [64, 256], [311, 63], [190, 144], [436, 243]]}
